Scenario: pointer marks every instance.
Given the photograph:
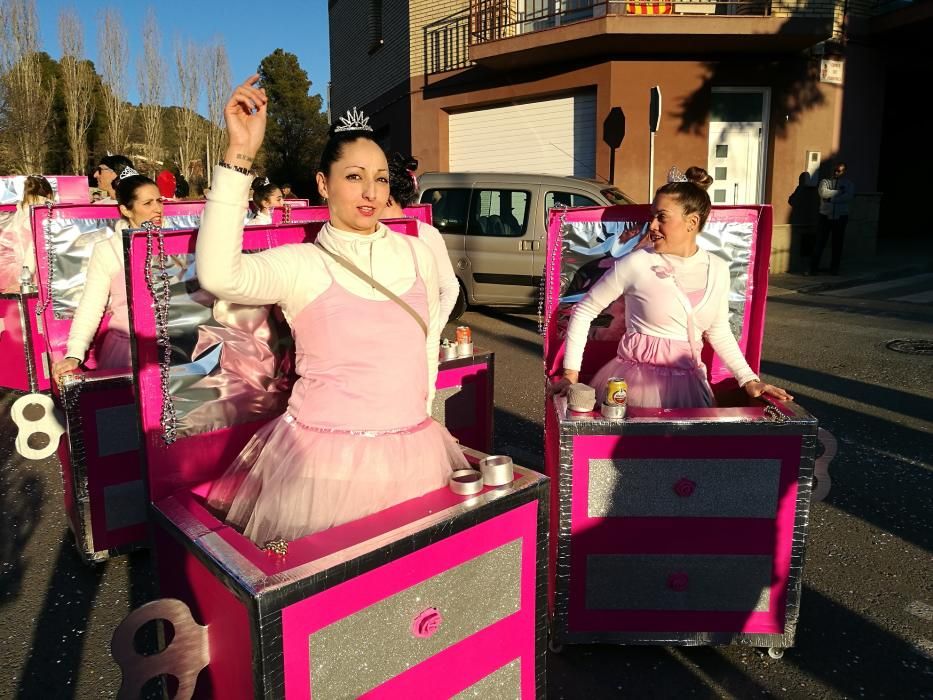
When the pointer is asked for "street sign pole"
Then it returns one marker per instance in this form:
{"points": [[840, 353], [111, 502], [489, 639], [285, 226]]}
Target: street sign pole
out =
{"points": [[654, 122]]}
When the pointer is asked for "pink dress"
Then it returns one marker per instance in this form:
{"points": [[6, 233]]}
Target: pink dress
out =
{"points": [[356, 438], [114, 350], [660, 372]]}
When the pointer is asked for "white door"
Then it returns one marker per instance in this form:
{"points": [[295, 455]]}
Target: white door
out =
{"points": [[733, 162], [737, 128], [552, 137]]}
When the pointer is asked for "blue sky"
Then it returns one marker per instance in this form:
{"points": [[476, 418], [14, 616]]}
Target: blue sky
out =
{"points": [[250, 30]]}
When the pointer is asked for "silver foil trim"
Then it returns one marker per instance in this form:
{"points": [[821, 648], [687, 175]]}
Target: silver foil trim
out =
{"points": [[348, 656], [73, 241]]}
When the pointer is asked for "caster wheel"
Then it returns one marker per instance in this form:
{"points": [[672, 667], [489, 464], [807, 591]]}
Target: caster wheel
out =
{"points": [[554, 646], [776, 652]]}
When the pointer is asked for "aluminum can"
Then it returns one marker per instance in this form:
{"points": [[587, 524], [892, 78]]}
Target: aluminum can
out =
{"points": [[616, 391], [464, 336]]}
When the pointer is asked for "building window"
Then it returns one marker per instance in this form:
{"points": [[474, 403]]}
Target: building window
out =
{"points": [[375, 25]]}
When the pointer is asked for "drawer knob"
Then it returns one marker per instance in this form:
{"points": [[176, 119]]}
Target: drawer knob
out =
{"points": [[426, 623], [678, 582], [685, 488]]}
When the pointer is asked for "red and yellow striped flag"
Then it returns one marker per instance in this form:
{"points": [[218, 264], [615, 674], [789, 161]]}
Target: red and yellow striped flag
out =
{"points": [[649, 8]]}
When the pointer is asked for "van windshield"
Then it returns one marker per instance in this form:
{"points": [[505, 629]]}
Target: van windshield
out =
{"points": [[616, 196]]}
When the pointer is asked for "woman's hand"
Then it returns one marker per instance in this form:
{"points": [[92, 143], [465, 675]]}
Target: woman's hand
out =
{"points": [[245, 114], [559, 387], [68, 365], [756, 388]]}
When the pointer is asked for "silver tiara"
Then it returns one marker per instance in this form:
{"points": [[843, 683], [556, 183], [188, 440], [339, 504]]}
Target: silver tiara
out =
{"points": [[127, 172], [354, 121], [674, 175]]}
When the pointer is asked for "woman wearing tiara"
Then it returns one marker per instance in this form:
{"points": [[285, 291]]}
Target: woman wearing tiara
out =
{"points": [[675, 295], [403, 192], [362, 303], [105, 284], [266, 196]]}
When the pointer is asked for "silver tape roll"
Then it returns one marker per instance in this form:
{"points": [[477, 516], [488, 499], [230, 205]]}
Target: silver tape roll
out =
{"points": [[496, 470], [613, 411], [466, 482], [464, 349], [448, 352]]}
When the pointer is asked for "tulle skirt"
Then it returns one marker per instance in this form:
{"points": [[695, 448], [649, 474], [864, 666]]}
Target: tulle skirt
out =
{"points": [[291, 480], [660, 372]]}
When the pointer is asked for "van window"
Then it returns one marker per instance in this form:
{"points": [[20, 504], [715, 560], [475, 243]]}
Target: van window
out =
{"points": [[499, 213], [566, 199], [448, 208]]}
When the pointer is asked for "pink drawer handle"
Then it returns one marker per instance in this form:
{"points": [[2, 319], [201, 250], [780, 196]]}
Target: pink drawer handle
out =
{"points": [[678, 582], [685, 488], [426, 623]]}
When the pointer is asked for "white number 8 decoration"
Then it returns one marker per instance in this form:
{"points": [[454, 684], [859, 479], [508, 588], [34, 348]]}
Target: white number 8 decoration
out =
{"points": [[35, 414], [184, 657]]}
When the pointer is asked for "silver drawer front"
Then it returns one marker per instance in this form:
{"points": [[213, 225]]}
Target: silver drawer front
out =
{"points": [[678, 582], [722, 488], [363, 650]]}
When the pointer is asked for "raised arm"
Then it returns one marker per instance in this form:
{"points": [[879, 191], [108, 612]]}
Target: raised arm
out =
{"points": [[223, 269]]}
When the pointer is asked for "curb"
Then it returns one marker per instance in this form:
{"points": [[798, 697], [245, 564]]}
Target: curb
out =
{"points": [[865, 278]]}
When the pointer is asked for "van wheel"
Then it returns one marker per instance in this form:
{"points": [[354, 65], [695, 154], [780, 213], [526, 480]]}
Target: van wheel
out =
{"points": [[460, 306]]}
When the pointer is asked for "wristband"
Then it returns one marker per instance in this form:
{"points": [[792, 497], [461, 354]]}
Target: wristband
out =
{"points": [[238, 168]]}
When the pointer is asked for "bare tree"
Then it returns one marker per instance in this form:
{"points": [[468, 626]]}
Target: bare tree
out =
{"points": [[113, 55], [187, 60], [77, 87], [151, 75], [217, 86], [26, 94]]}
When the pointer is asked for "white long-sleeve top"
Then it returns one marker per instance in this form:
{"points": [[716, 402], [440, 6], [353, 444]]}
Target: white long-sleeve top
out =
{"points": [[293, 276], [652, 306], [446, 278], [105, 263]]}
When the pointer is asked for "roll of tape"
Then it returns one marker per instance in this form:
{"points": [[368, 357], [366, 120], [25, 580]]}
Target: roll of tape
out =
{"points": [[496, 470], [466, 482], [464, 349], [613, 411]]}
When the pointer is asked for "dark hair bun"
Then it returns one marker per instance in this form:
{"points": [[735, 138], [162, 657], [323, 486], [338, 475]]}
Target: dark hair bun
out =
{"points": [[699, 177], [403, 162]]}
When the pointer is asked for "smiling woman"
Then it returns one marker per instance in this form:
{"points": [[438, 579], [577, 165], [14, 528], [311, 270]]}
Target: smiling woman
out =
{"points": [[363, 305]]}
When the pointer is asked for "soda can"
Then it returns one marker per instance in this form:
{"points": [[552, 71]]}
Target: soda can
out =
{"points": [[616, 391], [464, 336]]}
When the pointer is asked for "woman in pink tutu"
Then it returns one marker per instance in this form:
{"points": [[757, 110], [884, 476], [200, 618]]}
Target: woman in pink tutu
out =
{"points": [[105, 285], [675, 296], [17, 250], [356, 437]]}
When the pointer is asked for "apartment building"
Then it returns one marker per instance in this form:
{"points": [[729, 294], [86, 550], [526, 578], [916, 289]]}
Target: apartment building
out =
{"points": [[763, 93]]}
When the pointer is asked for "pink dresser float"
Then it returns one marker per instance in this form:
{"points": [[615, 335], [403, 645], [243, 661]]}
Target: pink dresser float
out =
{"points": [[439, 595], [25, 366], [673, 526], [105, 496]]}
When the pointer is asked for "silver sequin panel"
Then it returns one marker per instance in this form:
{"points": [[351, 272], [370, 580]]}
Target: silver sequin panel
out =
{"points": [[721, 488], [709, 582], [361, 651]]}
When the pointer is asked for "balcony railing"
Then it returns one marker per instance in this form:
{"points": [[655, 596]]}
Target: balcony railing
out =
{"points": [[447, 41], [491, 20]]}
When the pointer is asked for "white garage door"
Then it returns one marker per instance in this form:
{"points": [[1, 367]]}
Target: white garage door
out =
{"points": [[554, 137]]}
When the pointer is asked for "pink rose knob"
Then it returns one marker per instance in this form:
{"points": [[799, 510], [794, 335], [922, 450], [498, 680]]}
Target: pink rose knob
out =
{"points": [[685, 488], [426, 623], [678, 582]]}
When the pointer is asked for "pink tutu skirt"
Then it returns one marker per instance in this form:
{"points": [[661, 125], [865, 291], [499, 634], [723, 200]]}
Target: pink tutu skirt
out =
{"points": [[114, 351], [660, 372], [291, 480]]}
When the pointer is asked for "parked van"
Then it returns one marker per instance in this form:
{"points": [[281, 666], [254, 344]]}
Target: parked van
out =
{"points": [[495, 227]]}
